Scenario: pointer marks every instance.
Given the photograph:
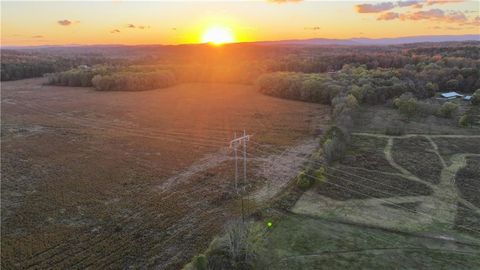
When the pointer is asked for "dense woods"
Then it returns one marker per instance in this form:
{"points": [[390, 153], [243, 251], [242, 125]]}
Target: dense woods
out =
{"points": [[18, 65], [75, 77], [372, 75], [133, 81]]}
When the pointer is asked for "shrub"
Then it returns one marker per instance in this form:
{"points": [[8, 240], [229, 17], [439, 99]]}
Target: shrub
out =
{"points": [[426, 109], [448, 109], [334, 143], [334, 132], [465, 120], [351, 101], [319, 174], [476, 97], [334, 149], [237, 249], [357, 92], [406, 105], [304, 182], [200, 262]]}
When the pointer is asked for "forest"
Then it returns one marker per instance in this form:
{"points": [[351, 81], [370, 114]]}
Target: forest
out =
{"points": [[374, 74]]}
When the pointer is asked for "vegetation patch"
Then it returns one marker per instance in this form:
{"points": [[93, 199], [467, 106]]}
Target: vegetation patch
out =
{"points": [[367, 152], [467, 221], [451, 146], [345, 183], [415, 156], [298, 242], [467, 181]]}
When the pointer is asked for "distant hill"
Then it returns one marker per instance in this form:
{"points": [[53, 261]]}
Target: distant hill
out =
{"points": [[373, 41]]}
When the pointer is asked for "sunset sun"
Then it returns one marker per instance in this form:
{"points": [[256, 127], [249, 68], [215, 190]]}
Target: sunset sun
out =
{"points": [[217, 35]]}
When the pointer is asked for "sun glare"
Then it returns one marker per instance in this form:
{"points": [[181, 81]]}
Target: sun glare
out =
{"points": [[217, 35]]}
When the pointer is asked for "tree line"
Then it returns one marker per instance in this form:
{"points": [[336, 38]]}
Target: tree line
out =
{"points": [[133, 81]]}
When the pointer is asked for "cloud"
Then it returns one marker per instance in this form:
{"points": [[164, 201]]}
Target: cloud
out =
{"points": [[441, 2], [284, 1], [436, 15], [411, 3], [424, 15], [315, 28], [114, 31], [475, 21], [374, 8], [38, 36], [408, 3], [133, 26], [453, 28], [385, 6], [64, 22], [388, 16]]}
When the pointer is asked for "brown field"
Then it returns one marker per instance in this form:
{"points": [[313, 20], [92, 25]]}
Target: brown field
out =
{"points": [[114, 180]]}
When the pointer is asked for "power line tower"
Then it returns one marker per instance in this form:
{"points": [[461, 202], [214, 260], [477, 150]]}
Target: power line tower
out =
{"points": [[235, 144]]}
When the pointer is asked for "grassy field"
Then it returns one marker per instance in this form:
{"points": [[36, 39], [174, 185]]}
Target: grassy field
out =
{"points": [[128, 179], [308, 242]]}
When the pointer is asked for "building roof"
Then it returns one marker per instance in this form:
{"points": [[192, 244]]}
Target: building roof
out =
{"points": [[451, 94]]}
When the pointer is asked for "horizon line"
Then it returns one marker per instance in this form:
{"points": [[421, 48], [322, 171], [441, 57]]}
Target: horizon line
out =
{"points": [[241, 42]]}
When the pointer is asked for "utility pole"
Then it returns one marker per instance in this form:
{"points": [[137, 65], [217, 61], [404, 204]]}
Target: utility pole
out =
{"points": [[236, 162], [235, 143], [245, 158]]}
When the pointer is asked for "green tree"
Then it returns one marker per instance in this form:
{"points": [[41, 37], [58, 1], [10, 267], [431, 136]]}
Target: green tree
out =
{"points": [[448, 109]]}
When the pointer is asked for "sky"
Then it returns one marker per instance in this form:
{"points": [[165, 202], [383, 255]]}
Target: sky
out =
{"points": [[180, 22]]}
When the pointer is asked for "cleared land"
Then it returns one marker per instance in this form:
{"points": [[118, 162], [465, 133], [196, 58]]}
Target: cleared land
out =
{"points": [[131, 179]]}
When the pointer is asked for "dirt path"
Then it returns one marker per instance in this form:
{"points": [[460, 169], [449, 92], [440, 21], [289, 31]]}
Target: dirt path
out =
{"points": [[445, 194]]}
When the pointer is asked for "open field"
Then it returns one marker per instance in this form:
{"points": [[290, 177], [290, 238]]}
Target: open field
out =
{"points": [[131, 179], [298, 241]]}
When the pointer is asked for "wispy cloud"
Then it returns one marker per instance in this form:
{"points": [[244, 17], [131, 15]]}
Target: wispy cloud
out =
{"points": [[385, 6], [65, 22], [114, 31], [410, 3], [388, 16], [314, 28], [374, 8], [284, 1], [38, 36], [436, 15], [441, 2], [133, 26]]}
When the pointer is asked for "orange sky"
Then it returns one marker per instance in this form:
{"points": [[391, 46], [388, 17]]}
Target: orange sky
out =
{"points": [[176, 22]]}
